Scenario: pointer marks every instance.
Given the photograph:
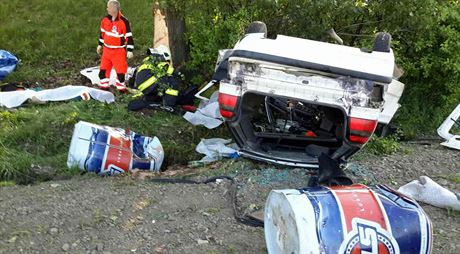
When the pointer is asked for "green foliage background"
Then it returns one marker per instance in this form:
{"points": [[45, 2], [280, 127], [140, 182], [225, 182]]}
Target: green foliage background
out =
{"points": [[426, 41]]}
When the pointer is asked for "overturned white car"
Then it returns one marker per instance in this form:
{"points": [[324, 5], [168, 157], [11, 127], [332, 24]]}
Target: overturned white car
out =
{"points": [[288, 100]]}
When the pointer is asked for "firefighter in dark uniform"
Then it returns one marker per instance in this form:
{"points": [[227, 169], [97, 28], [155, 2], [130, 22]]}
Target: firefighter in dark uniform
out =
{"points": [[157, 81]]}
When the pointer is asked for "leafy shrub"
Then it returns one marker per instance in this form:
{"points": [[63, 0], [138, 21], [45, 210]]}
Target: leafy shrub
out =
{"points": [[382, 145]]}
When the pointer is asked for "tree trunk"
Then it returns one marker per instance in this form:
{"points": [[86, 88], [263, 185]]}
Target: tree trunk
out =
{"points": [[169, 30]]}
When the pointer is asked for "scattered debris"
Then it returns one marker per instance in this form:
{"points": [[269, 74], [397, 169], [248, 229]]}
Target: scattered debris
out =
{"points": [[92, 73], [38, 172], [453, 140], [207, 114], [161, 249], [215, 148], [428, 191], [13, 239], [53, 231], [142, 174], [105, 150], [66, 247], [176, 170], [197, 164], [16, 98], [200, 241], [330, 173], [9, 87]]}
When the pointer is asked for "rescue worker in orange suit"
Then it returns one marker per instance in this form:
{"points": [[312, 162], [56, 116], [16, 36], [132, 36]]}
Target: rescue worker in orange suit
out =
{"points": [[115, 44]]}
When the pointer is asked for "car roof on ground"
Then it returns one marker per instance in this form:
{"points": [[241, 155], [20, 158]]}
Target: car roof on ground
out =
{"points": [[316, 55]]}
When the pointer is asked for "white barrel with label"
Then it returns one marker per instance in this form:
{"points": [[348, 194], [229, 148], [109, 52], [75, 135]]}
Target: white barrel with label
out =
{"points": [[105, 150], [348, 219]]}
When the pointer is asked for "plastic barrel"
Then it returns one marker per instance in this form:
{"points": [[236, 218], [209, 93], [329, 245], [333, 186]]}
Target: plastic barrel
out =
{"points": [[105, 150], [345, 220]]}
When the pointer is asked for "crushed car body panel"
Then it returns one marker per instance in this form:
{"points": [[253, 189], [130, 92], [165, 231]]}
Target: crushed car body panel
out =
{"points": [[452, 140]]}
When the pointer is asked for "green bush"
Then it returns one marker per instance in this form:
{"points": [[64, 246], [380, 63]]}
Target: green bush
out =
{"points": [[382, 145]]}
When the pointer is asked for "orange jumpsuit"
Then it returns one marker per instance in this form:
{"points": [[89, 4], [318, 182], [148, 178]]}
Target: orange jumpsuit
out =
{"points": [[117, 38]]}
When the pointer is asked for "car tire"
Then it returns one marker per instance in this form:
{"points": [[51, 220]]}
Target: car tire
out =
{"points": [[382, 42], [257, 27]]}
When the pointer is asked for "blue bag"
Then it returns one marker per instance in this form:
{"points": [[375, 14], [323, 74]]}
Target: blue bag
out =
{"points": [[8, 63]]}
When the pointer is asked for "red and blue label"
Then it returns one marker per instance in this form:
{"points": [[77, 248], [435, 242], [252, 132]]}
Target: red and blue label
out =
{"points": [[111, 151], [359, 220]]}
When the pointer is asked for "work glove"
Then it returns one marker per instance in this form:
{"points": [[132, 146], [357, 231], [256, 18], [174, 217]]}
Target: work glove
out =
{"points": [[99, 50], [129, 55]]}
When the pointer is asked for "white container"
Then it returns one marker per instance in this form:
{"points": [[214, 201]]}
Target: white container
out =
{"points": [[106, 150], [353, 219]]}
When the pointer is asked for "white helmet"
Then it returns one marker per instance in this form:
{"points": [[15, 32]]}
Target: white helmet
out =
{"points": [[162, 51]]}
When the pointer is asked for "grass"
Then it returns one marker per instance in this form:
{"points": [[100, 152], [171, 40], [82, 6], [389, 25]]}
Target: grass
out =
{"points": [[453, 213], [382, 145], [41, 134], [454, 178], [7, 183], [56, 38]]}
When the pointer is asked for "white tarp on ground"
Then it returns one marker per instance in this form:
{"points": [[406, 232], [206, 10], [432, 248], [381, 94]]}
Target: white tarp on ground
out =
{"points": [[92, 73], [215, 148], [17, 98], [207, 114], [428, 191]]}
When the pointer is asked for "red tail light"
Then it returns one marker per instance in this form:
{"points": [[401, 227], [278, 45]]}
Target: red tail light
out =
{"points": [[361, 129], [227, 104]]}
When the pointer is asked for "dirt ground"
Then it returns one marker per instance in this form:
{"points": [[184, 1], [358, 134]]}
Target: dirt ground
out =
{"points": [[88, 214]]}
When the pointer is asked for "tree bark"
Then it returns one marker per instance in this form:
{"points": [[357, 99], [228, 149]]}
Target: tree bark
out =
{"points": [[169, 30]]}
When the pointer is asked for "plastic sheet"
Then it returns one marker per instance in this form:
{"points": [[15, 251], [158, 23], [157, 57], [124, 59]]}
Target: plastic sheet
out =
{"points": [[92, 73], [17, 98], [428, 191], [214, 149], [208, 114]]}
